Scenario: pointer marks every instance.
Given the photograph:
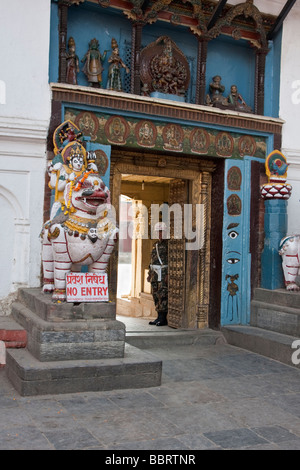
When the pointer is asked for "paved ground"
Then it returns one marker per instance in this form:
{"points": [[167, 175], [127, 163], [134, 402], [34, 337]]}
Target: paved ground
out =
{"points": [[211, 397]]}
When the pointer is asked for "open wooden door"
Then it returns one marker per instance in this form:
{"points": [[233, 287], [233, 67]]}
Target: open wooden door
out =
{"points": [[176, 258]]}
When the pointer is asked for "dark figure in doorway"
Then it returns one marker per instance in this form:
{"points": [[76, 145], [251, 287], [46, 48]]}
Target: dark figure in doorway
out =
{"points": [[158, 275]]}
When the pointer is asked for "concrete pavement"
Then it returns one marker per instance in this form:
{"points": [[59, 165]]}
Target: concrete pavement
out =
{"points": [[212, 396]]}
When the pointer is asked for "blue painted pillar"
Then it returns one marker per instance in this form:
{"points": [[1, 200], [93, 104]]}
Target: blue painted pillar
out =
{"points": [[275, 229]]}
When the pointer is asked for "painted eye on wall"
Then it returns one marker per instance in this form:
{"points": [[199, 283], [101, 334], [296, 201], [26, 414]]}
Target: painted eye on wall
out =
{"points": [[233, 234], [233, 260]]}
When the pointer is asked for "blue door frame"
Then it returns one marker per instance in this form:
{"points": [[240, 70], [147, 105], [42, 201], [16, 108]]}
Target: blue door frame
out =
{"points": [[236, 257]]}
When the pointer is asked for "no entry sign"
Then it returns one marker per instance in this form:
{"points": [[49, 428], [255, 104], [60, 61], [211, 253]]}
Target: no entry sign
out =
{"points": [[86, 287]]}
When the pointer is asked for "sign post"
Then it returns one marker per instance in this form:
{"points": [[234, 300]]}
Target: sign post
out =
{"points": [[87, 287]]}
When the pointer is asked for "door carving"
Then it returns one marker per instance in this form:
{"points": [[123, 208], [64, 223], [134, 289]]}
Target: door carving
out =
{"points": [[176, 258]]}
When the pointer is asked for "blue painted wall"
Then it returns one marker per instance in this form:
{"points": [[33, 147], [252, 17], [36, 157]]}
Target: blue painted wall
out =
{"points": [[233, 60], [272, 77], [85, 23]]}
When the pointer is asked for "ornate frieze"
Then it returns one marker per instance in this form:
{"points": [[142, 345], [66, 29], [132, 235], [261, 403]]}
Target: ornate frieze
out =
{"points": [[124, 103], [145, 133]]}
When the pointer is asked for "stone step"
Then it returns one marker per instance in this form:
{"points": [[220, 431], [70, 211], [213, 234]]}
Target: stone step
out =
{"points": [[72, 349], [30, 377], [279, 318], [45, 308], [68, 340], [271, 344], [156, 339], [11, 333], [278, 297]]}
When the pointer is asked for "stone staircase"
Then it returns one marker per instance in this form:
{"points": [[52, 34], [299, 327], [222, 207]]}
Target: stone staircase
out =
{"points": [[274, 326], [70, 348]]}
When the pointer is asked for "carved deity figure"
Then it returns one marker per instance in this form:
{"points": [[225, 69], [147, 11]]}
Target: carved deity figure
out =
{"points": [[72, 63], [71, 160], [114, 81], [233, 101], [164, 68], [216, 92], [81, 230], [93, 67], [237, 101], [169, 75]]}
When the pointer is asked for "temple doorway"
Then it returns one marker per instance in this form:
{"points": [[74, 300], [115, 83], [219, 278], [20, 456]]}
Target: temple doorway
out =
{"points": [[139, 181], [138, 194]]}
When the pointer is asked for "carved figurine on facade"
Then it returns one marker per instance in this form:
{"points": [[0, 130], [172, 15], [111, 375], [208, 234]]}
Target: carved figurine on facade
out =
{"points": [[114, 81], [236, 101], [72, 63], [216, 89], [93, 67], [164, 68], [81, 230], [71, 159], [233, 101]]}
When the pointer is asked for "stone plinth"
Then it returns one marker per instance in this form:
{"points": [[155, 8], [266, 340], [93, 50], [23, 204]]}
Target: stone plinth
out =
{"points": [[72, 348], [59, 332]]}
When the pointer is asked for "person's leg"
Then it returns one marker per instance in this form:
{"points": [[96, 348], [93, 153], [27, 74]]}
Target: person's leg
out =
{"points": [[162, 306], [155, 296], [162, 318]]}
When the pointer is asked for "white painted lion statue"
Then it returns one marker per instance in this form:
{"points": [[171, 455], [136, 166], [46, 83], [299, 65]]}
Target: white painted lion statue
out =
{"points": [[82, 234], [289, 250]]}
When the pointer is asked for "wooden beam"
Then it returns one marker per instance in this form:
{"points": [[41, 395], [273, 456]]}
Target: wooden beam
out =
{"points": [[280, 19], [216, 13], [145, 5]]}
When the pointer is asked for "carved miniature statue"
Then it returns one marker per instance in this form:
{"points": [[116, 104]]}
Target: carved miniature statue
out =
{"points": [[164, 68], [237, 101], [169, 74], [70, 163], [93, 67], [114, 81], [82, 229], [216, 90], [72, 63]]}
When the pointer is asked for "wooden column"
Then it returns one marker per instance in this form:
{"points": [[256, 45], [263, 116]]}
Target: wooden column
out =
{"points": [[201, 71], [204, 252], [63, 29], [260, 81], [136, 41]]}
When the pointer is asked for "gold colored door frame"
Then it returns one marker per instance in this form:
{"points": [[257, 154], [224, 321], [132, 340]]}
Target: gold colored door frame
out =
{"points": [[197, 266]]}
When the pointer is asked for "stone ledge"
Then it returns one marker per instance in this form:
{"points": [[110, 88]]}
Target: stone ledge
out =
{"points": [[267, 343], [11, 333], [164, 108], [46, 309], [70, 339], [31, 377]]}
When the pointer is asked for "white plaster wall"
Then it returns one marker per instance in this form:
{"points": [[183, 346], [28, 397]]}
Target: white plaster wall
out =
{"points": [[290, 110], [24, 55], [24, 119]]}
